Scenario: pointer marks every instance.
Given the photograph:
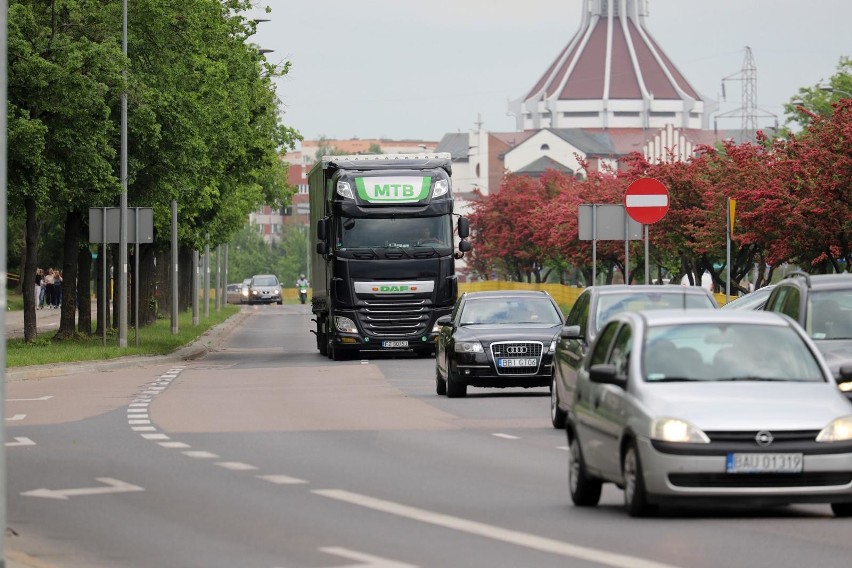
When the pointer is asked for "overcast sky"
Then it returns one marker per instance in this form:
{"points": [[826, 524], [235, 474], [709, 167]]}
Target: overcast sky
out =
{"points": [[410, 69]]}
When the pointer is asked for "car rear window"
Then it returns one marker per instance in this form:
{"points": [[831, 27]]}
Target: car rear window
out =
{"points": [[611, 304]]}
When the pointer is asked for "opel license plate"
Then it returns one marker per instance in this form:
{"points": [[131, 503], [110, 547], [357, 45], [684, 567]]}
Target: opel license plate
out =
{"points": [[764, 463], [395, 344], [517, 362]]}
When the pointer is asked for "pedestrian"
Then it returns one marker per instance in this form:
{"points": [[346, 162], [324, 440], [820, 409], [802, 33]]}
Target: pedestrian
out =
{"points": [[57, 289], [39, 288], [48, 288]]}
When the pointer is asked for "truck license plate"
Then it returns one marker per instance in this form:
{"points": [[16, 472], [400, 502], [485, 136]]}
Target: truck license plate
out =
{"points": [[395, 344], [517, 363], [764, 463]]}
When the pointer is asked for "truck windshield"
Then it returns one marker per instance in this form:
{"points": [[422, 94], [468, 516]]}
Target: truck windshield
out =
{"points": [[406, 232]]}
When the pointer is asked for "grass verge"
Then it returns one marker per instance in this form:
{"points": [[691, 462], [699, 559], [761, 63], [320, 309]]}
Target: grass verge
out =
{"points": [[155, 339]]}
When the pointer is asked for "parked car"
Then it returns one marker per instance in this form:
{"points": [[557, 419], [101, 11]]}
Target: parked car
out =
{"points": [[822, 304], [244, 291], [594, 306], [708, 407], [752, 301], [264, 289], [496, 339]]}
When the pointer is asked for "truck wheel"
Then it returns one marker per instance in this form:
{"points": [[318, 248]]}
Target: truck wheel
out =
{"points": [[322, 338]]}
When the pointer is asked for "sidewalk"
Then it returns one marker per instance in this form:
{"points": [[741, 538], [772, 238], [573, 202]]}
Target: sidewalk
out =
{"points": [[46, 320]]}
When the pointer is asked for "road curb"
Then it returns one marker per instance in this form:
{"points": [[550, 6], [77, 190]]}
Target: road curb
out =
{"points": [[199, 348]]}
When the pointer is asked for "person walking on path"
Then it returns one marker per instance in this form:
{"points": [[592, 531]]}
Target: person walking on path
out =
{"points": [[57, 289], [48, 288], [39, 288]]}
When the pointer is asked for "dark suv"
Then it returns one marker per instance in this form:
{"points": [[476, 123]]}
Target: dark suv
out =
{"points": [[822, 305]]}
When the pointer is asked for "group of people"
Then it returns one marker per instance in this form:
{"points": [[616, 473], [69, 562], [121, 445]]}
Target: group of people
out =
{"points": [[48, 289]]}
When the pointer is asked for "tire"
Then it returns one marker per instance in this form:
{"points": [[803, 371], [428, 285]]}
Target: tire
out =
{"points": [[841, 509], [585, 490], [440, 384], [322, 338], [557, 415], [337, 354], [279, 302], [455, 389], [635, 497]]}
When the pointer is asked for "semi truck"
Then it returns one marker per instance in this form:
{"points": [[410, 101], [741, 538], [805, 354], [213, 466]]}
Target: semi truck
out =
{"points": [[383, 264]]}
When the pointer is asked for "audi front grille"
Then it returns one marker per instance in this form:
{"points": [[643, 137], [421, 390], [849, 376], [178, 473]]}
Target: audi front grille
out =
{"points": [[517, 350]]}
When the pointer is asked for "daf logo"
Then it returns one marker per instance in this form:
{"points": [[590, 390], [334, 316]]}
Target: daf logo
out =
{"points": [[764, 438], [520, 350]]}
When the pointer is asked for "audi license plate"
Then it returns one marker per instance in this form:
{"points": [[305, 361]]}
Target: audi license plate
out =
{"points": [[395, 344], [517, 362], [764, 463]]}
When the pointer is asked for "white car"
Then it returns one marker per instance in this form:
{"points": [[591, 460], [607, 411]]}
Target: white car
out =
{"points": [[709, 407]]}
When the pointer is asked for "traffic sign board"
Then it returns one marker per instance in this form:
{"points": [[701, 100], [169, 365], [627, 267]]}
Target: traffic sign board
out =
{"points": [[646, 200]]}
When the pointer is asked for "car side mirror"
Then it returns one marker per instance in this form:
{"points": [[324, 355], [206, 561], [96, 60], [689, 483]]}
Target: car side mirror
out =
{"points": [[605, 374], [570, 332], [844, 378], [443, 320]]}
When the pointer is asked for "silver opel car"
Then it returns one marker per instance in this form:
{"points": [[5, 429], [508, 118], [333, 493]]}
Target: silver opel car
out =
{"points": [[709, 407]]}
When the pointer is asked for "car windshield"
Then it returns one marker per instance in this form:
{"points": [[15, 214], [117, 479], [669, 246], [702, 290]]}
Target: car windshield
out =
{"points": [[265, 281], [829, 314], [727, 352], [394, 233], [673, 298], [509, 311], [753, 301]]}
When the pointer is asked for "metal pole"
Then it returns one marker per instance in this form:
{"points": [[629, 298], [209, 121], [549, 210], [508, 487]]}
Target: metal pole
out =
{"points": [[728, 253], [136, 276], [225, 275], [647, 273], [194, 287], [174, 269], [104, 271], [206, 280], [216, 290], [3, 250], [122, 245], [626, 249], [594, 244]]}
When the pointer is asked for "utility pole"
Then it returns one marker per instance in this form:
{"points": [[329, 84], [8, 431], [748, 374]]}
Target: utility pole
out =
{"points": [[122, 244], [749, 112]]}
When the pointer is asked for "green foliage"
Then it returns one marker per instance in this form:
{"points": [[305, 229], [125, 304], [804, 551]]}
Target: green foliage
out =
{"points": [[249, 254], [817, 100]]}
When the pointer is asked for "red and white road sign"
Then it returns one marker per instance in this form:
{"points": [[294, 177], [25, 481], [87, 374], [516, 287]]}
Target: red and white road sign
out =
{"points": [[646, 201]]}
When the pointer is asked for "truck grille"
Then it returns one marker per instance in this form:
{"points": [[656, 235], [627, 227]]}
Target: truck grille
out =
{"points": [[383, 318], [517, 350]]}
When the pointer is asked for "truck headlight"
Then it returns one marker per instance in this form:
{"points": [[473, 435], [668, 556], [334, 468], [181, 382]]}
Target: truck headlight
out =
{"points": [[345, 325], [675, 430], [344, 189], [442, 186], [468, 347]]}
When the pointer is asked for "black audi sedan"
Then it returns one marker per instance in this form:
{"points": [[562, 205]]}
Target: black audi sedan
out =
{"points": [[497, 339]]}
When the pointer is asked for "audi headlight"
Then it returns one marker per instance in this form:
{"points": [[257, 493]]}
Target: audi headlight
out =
{"points": [[468, 347], [345, 325], [344, 189], [552, 347], [442, 186], [840, 430], [675, 430]]}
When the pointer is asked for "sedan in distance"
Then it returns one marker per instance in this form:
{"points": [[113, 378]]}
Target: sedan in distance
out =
{"points": [[496, 339], [594, 306], [264, 289], [709, 407]]}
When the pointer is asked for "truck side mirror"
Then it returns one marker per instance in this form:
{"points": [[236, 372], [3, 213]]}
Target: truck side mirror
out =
{"points": [[322, 229], [321, 248], [465, 246], [464, 227]]}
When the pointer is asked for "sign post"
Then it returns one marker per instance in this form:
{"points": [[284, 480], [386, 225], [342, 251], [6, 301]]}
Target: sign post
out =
{"points": [[646, 201]]}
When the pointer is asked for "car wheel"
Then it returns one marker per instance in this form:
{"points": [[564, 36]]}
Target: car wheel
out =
{"points": [[455, 388], [557, 415], [635, 497], [440, 384], [841, 509], [585, 490], [279, 302]]}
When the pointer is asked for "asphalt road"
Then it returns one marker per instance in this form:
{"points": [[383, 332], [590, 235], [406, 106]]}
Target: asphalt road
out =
{"points": [[264, 454]]}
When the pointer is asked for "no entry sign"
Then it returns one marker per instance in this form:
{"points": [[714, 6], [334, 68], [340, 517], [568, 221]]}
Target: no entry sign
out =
{"points": [[646, 200]]}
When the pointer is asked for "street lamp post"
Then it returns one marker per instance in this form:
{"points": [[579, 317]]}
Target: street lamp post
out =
{"points": [[828, 89]]}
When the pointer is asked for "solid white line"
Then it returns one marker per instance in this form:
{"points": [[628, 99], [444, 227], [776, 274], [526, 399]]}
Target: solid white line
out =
{"points": [[658, 200], [20, 442], [236, 466], [29, 399], [175, 445], [505, 436], [281, 479], [364, 560], [200, 454], [17, 417], [565, 448], [490, 531]]}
